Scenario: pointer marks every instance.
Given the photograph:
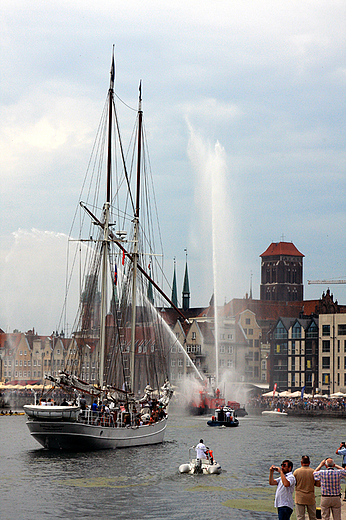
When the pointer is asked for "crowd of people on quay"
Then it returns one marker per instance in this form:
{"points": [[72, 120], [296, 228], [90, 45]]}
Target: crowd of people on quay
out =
{"points": [[298, 403], [327, 475]]}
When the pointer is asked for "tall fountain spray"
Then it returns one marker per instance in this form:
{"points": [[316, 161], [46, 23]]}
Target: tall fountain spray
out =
{"points": [[215, 231]]}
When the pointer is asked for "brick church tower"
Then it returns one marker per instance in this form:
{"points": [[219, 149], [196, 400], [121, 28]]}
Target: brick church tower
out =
{"points": [[282, 273]]}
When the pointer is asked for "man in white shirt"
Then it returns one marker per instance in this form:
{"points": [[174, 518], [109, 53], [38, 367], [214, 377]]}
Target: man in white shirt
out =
{"points": [[285, 487], [201, 449]]}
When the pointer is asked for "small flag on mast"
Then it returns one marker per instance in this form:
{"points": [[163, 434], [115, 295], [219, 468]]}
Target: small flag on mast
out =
{"points": [[123, 260], [115, 275]]}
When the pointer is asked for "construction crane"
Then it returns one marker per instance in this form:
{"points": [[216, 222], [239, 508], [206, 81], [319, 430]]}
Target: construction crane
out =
{"points": [[325, 282]]}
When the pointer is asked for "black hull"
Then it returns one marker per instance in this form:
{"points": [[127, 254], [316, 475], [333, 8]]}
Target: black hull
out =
{"points": [[228, 424]]}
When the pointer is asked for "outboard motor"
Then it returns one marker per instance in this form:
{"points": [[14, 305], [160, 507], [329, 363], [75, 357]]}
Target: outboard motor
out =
{"points": [[198, 466]]}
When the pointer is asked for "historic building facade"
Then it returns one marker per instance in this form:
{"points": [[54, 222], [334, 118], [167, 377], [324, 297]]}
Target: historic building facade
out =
{"points": [[282, 273]]}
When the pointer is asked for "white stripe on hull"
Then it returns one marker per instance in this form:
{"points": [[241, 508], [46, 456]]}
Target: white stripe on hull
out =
{"points": [[80, 437]]}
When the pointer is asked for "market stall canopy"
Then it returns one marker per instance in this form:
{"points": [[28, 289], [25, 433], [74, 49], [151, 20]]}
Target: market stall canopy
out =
{"points": [[285, 393], [337, 395], [297, 393], [270, 394]]}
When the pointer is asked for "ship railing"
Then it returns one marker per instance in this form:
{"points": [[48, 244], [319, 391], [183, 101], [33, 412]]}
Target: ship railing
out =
{"points": [[96, 418], [109, 419]]}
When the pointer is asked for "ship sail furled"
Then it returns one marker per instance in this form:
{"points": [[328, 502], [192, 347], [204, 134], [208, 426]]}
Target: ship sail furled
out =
{"points": [[120, 343]]}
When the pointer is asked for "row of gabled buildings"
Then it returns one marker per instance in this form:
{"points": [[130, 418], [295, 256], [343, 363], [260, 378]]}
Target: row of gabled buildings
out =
{"points": [[279, 339], [26, 357], [258, 344]]}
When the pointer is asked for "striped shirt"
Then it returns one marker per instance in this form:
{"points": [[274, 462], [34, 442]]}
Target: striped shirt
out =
{"points": [[330, 480]]}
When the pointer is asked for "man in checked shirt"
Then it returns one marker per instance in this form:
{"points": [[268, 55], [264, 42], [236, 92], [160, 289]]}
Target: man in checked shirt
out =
{"points": [[330, 488]]}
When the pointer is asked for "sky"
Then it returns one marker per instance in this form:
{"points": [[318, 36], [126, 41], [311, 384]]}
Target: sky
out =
{"points": [[244, 106]]}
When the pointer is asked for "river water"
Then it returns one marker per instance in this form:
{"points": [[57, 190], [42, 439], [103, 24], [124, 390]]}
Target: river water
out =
{"points": [[144, 483]]}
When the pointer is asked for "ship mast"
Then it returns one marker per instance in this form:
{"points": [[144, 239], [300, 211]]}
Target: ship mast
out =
{"points": [[135, 240], [106, 237]]}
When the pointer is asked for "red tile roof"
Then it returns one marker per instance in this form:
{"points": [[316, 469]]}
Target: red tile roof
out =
{"points": [[282, 248]]}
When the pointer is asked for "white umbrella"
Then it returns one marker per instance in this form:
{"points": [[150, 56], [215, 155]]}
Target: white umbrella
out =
{"points": [[297, 393], [285, 393], [270, 394], [337, 394]]}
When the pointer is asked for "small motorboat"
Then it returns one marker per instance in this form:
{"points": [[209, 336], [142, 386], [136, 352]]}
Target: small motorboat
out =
{"points": [[273, 413], [224, 417], [200, 466]]}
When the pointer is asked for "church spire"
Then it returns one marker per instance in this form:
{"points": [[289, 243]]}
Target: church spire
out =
{"points": [[186, 288], [174, 297]]}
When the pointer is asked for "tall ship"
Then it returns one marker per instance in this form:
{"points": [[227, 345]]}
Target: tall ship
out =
{"points": [[117, 328]]}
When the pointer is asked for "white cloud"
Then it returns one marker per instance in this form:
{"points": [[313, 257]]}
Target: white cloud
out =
{"points": [[33, 267], [265, 79]]}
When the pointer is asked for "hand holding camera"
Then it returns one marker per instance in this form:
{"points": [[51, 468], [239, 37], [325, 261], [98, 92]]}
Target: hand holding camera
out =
{"points": [[275, 468]]}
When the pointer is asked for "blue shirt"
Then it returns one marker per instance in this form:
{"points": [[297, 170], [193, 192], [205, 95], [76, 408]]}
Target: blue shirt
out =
{"points": [[343, 453]]}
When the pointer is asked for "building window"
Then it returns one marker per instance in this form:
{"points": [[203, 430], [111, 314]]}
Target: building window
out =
{"points": [[325, 363], [230, 363], [325, 345], [250, 332], [342, 329], [222, 349], [247, 321], [280, 332], [180, 362], [312, 331], [325, 330], [325, 379], [172, 362], [230, 349], [296, 331], [194, 335]]}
